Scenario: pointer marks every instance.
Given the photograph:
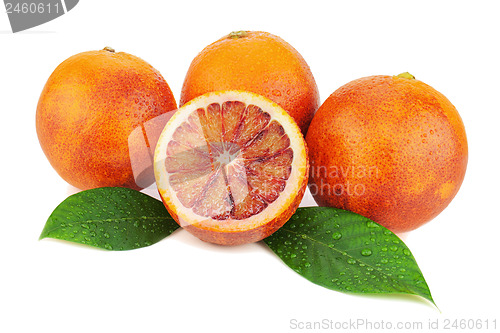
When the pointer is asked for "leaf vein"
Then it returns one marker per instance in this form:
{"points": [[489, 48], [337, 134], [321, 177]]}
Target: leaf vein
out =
{"points": [[344, 253]]}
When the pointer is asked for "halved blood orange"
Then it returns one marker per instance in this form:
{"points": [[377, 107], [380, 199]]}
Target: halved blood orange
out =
{"points": [[231, 167]]}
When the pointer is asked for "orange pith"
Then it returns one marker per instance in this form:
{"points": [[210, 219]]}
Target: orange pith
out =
{"points": [[226, 167]]}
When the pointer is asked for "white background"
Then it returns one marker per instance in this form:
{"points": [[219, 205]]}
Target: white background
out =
{"points": [[184, 285]]}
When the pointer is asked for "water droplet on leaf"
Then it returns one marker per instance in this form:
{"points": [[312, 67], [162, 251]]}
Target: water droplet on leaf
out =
{"points": [[366, 252]]}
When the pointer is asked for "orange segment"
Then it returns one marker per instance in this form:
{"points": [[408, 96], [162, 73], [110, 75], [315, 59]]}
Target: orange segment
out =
{"points": [[189, 135], [268, 142], [211, 123], [180, 157], [269, 189], [253, 122], [190, 185], [246, 203], [277, 166], [231, 167], [215, 202], [232, 115]]}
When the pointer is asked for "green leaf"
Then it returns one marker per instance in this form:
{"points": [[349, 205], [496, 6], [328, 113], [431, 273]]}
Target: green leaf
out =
{"points": [[112, 218], [347, 252]]}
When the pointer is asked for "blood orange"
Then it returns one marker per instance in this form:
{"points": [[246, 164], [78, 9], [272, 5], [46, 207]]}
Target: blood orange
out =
{"points": [[231, 167], [259, 62], [400, 151], [98, 115]]}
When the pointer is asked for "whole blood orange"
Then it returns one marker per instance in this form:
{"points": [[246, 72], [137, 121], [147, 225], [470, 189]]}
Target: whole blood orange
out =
{"points": [[258, 62], [98, 117], [390, 148], [231, 167]]}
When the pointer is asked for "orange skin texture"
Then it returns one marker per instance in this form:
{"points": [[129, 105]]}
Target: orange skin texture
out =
{"points": [[88, 109], [260, 63], [248, 236], [389, 148]]}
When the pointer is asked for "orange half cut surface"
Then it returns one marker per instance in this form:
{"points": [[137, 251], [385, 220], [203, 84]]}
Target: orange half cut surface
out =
{"points": [[231, 167]]}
